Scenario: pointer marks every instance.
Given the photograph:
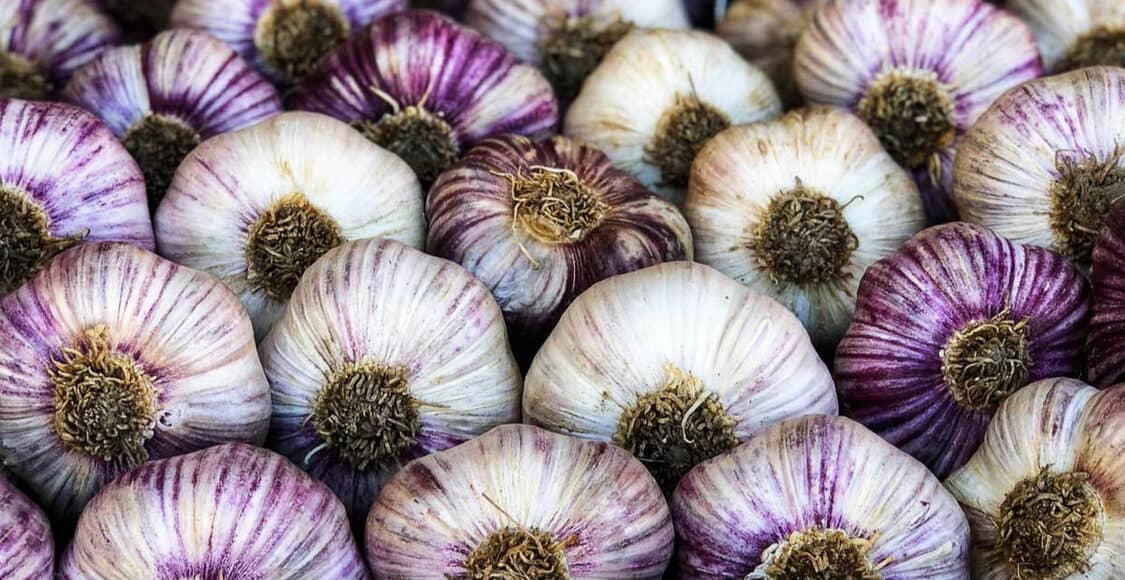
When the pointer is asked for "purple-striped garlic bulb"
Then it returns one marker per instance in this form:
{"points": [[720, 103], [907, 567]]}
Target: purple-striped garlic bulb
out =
{"points": [[919, 72], [42, 43], [568, 38], [1105, 345], [1045, 493], [284, 39], [818, 497], [112, 356], [539, 222], [947, 328], [27, 548], [385, 354], [520, 502], [427, 89], [64, 180], [798, 208], [1046, 163], [257, 206], [660, 95], [230, 511], [1074, 34], [677, 364]]}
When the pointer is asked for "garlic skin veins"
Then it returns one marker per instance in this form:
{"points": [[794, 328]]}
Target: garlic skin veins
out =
{"points": [[1105, 348], [27, 548], [660, 95], [798, 208], [1075, 34], [255, 207]]}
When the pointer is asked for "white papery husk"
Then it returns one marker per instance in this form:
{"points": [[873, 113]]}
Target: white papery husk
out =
{"points": [[1058, 24]]}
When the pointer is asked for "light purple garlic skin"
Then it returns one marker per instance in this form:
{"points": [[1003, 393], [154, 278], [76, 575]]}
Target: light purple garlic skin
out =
{"points": [[594, 499], [27, 548], [1106, 342], [230, 511], [734, 513]]}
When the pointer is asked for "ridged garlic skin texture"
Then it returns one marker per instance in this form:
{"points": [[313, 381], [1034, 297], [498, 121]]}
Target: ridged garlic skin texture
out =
{"points": [[827, 153], [816, 473], [1060, 24], [27, 548], [381, 302], [183, 329], [61, 35], [1105, 345], [593, 497], [232, 511]]}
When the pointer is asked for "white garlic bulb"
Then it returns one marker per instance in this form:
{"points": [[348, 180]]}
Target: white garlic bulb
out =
{"points": [[1074, 34]]}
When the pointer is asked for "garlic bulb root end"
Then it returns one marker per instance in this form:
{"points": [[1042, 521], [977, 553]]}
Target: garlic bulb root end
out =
{"points": [[518, 552], [1102, 46], [554, 206], [22, 79], [818, 553], [284, 241], [575, 49], [912, 114], [803, 238], [28, 242], [424, 140], [986, 361], [1081, 198], [159, 144], [293, 37], [681, 133]]}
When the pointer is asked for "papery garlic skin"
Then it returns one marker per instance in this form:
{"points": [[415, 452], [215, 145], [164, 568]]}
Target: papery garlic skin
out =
{"points": [[1067, 30], [659, 95], [798, 208], [226, 211], [27, 548], [1046, 163], [920, 72], [597, 507], [737, 514], [1105, 345], [225, 512]]}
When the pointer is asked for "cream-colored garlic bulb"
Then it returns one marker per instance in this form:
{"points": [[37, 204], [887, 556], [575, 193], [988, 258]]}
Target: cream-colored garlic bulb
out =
{"points": [[1073, 34]]}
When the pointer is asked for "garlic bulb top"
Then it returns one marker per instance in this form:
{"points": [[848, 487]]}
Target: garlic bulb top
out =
{"points": [[163, 97], [64, 179], [255, 207], [519, 502], [111, 356], [285, 39], [568, 38], [42, 42], [230, 511], [1046, 163], [817, 497], [27, 548], [676, 363], [1105, 345], [1073, 34], [427, 89], [660, 95], [919, 72], [1045, 494], [798, 208]]}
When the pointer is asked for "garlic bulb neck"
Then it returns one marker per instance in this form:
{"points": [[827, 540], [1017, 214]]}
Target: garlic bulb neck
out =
{"points": [[827, 554], [554, 206], [1081, 198], [28, 243], [1103, 46], [518, 553], [293, 38], [986, 361], [105, 404], [681, 133], [22, 79], [575, 48], [424, 140], [366, 414], [1049, 525], [912, 114], [284, 241], [803, 238], [159, 143]]}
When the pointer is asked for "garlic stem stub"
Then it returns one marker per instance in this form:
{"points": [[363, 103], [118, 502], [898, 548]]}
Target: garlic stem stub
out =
{"points": [[919, 72], [1046, 163], [64, 180], [520, 502], [1105, 345], [27, 548], [257, 206], [948, 327], [677, 364], [1044, 493], [1075, 34], [163, 97], [660, 95], [798, 208], [113, 356], [539, 222], [817, 497], [385, 354], [230, 511], [427, 89]]}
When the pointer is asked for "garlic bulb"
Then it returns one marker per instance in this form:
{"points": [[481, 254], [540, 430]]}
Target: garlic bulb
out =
{"points": [[163, 97], [765, 32], [1074, 34], [539, 223], [231, 511], [817, 497], [42, 42], [947, 328], [568, 38], [64, 179], [922, 74], [676, 363], [385, 354], [27, 549], [1044, 493], [519, 502], [111, 356], [427, 89], [284, 39], [255, 207], [1105, 344], [660, 95], [798, 208], [1046, 163]]}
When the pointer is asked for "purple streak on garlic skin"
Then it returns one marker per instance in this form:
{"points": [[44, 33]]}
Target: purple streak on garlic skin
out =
{"points": [[58, 35], [1106, 342], [27, 549]]}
